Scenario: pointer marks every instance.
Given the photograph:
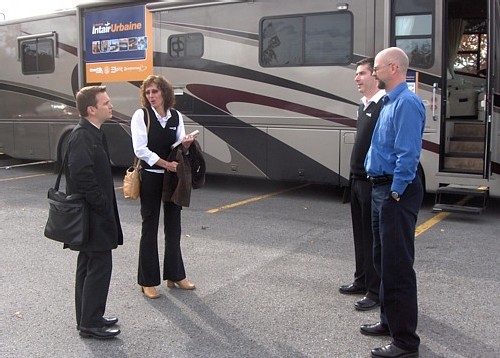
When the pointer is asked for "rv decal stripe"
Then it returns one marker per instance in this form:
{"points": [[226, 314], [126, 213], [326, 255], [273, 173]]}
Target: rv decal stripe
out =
{"points": [[246, 35], [220, 97], [163, 60], [38, 93], [430, 146], [251, 143], [65, 47], [43, 94]]}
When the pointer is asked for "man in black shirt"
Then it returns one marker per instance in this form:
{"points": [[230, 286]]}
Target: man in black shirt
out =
{"points": [[366, 280]]}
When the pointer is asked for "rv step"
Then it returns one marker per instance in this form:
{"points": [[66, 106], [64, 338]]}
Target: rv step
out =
{"points": [[464, 189], [457, 209], [463, 171], [467, 139], [461, 199], [465, 155], [463, 163]]}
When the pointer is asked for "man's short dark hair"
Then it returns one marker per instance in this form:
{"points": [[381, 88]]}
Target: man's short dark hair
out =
{"points": [[370, 61], [86, 97]]}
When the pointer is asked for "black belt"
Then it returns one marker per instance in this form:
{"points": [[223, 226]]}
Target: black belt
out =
{"points": [[380, 180], [359, 177]]}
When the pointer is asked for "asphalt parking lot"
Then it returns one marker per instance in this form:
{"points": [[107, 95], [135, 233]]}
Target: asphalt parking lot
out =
{"points": [[267, 259]]}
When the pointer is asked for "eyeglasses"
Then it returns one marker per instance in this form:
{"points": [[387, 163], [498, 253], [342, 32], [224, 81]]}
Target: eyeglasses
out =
{"points": [[377, 68]]}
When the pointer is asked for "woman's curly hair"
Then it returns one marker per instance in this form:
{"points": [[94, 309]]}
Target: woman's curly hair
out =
{"points": [[164, 86]]}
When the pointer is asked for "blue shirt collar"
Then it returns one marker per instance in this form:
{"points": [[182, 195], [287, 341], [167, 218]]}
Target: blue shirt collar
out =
{"points": [[390, 96]]}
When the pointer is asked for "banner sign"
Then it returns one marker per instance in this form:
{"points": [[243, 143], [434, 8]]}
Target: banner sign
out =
{"points": [[118, 44], [412, 80]]}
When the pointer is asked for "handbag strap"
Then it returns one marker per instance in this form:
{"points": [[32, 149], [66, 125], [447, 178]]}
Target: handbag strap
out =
{"points": [[137, 161]]}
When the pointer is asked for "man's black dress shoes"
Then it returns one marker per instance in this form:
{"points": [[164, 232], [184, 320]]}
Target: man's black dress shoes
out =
{"points": [[106, 321], [99, 333], [109, 321], [366, 304], [351, 289], [377, 329], [392, 351]]}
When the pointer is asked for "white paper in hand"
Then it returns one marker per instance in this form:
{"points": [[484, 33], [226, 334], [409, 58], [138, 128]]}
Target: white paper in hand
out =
{"points": [[193, 133]]}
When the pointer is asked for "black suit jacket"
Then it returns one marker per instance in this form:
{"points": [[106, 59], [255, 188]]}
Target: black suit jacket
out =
{"points": [[88, 171], [190, 174]]}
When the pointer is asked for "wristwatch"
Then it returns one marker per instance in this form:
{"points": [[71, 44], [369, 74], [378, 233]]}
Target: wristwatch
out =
{"points": [[395, 195]]}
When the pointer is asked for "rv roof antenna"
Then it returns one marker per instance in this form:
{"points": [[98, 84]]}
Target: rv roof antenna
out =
{"points": [[342, 6], [1, 13]]}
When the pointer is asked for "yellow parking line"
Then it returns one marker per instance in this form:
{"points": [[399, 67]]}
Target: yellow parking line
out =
{"points": [[419, 230], [439, 217], [25, 177], [430, 223], [251, 200]]}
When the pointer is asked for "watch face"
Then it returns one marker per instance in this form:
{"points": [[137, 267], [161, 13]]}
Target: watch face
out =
{"points": [[395, 195]]}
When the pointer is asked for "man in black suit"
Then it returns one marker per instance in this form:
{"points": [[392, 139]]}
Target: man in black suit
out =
{"points": [[366, 279], [88, 172]]}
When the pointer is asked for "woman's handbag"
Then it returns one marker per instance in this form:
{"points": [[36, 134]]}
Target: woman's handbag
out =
{"points": [[132, 181], [132, 178], [68, 220]]}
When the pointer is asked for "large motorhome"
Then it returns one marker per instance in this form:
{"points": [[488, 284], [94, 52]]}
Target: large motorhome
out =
{"points": [[268, 83]]}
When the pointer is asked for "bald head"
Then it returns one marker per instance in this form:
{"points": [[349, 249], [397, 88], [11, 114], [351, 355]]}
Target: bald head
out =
{"points": [[391, 65], [395, 55]]}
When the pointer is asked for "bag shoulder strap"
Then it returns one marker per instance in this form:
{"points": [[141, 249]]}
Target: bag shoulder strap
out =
{"points": [[65, 159], [58, 180], [147, 117]]}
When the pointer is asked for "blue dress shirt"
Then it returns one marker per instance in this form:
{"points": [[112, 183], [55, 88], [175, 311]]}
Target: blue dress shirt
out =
{"points": [[397, 139]]}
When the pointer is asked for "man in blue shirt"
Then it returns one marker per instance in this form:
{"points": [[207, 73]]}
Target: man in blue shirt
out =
{"points": [[391, 165]]}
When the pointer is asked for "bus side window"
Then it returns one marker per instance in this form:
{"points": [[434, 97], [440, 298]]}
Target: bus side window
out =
{"points": [[306, 40], [37, 55], [413, 30]]}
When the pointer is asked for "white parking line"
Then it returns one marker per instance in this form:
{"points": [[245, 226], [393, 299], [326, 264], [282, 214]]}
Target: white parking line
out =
{"points": [[27, 164]]}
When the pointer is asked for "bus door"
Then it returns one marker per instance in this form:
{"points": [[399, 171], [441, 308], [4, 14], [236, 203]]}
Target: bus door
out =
{"points": [[493, 86], [467, 89]]}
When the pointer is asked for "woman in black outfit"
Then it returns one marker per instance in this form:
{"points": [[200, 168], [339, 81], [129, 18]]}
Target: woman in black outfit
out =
{"points": [[152, 147]]}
